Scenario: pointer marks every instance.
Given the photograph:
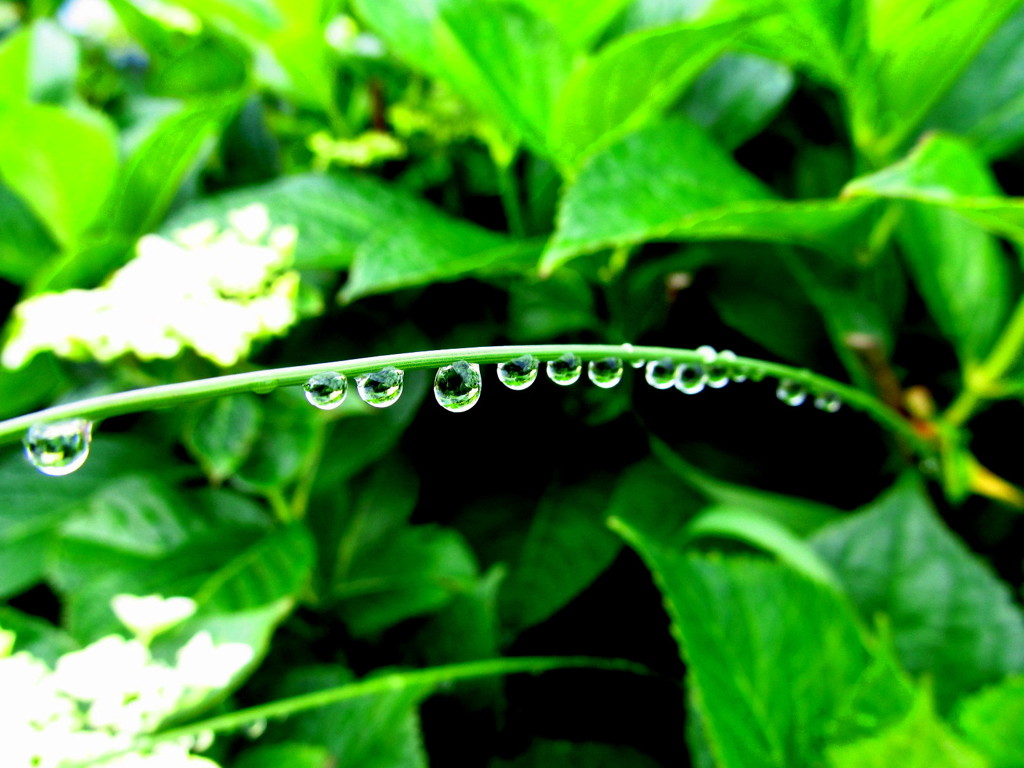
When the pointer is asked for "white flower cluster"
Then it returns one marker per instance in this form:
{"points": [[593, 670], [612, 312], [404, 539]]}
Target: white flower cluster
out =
{"points": [[212, 291], [96, 701]]}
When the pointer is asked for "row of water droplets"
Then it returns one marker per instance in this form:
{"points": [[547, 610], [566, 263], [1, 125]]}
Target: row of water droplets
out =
{"points": [[59, 448]]}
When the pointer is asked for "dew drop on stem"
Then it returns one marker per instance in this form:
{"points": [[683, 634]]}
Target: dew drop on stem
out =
{"points": [[633, 363], [737, 373], [59, 448], [326, 390], [519, 373], [716, 368], [381, 388], [790, 392], [457, 386], [829, 402], [691, 378], [606, 372], [565, 370], [661, 374]]}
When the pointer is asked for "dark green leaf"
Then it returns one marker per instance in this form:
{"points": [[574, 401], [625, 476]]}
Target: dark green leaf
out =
{"points": [[571, 754], [285, 443], [769, 653], [25, 244], [40, 638], [949, 615], [222, 433], [567, 546]]}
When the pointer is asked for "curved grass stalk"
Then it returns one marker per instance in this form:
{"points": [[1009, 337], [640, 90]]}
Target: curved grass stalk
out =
{"points": [[166, 395], [429, 680]]}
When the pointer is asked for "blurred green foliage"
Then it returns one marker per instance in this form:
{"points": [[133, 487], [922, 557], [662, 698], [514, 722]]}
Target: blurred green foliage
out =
{"points": [[834, 184]]}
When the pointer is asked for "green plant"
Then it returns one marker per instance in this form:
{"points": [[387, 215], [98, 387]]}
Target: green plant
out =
{"points": [[206, 205]]}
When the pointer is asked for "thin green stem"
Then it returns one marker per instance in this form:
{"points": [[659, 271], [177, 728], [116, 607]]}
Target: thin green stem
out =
{"points": [[984, 382], [508, 186], [427, 679], [304, 487], [167, 395]]}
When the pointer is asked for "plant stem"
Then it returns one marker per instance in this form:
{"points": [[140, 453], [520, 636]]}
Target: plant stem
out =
{"points": [[508, 187], [382, 684], [983, 383], [167, 395]]}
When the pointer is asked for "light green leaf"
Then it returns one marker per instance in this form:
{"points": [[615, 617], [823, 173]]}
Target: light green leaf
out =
{"points": [[764, 533], [627, 84], [949, 615], [25, 243], [407, 28], [671, 182], [38, 62], [915, 50], [769, 653], [579, 22], [222, 433], [506, 61], [986, 104], [737, 96], [38, 637], [61, 162], [992, 721], [30, 386], [567, 546], [921, 740]]}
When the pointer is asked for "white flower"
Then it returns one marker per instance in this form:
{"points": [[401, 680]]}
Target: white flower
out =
{"points": [[202, 664], [111, 665], [149, 616]]}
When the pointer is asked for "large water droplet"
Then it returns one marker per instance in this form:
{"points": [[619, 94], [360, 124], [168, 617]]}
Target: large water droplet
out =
{"points": [[737, 373], [58, 449], [326, 390], [565, 370], [828, 402], [661, 374], [691, 378], [457, 386], [606, 372], [791, 393], [381, 388], [633, 363], [519, 373], [715, 369]]}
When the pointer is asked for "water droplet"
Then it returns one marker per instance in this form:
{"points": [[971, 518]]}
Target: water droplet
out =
{"points": [[828, 402], [661, 374], [606, 372], [58, 449], [565, 370], [691, 378], [633, 363], [791, 393], [715, 368], [256, 728], [737, 373], [457, 386], [381, 388], [519, 373], [326, 390]]}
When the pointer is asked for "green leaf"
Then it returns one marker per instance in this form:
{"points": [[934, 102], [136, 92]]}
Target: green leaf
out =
{"points": [[61, 162], [38, 62], [986, 104], [380, 731], [579, 22], [949, 615], [921, 740], [285, 443], [769, 653], [992, 721], [572, 754], [407, 28], [25, 243], [334, 214], [914, 51], [737, 96], [567, 546], [761, 532], [30, 386], [222, 433], [154, 172], [671, 182], [292, 754], [629, 82], [506, 61]]}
